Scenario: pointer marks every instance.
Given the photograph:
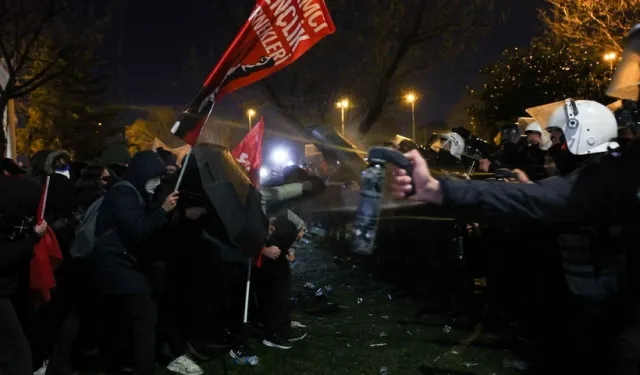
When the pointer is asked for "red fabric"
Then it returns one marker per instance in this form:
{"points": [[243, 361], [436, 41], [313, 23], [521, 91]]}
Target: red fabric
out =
{"points": [[275, 35], [249, 152], [46, 258], [259, 260]]}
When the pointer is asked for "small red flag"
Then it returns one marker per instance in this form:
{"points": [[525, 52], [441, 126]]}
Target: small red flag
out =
{"points": [[276, 34], [46, 257], [249, 152]]}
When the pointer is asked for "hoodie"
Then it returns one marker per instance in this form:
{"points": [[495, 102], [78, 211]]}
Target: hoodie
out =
{"points": [[124, 224]]}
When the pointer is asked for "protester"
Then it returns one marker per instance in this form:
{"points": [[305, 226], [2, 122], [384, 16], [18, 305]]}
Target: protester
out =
{"points": [[124, 224], [19, 198]]}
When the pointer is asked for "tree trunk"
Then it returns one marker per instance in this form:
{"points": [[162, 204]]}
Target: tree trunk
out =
{"points": [[4, 103], [11, 135]]}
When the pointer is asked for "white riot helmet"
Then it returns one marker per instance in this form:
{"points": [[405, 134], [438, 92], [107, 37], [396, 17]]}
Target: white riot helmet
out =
{"points": [[455, 143], [588, 126], [545, 138], [533, 127]]}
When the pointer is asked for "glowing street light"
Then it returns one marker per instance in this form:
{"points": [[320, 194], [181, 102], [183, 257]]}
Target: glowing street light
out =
{"points": [[411, 99], [250, 114], [343, 105], [280, 157], [610, 57], [264, 173]]}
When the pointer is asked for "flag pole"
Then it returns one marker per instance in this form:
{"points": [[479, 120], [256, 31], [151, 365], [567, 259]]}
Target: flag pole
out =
{"points": [[184, 168], [44, 198], [246, 294]]}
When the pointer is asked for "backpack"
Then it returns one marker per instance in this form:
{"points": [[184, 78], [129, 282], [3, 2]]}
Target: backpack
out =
{"points": [[85, 235]]}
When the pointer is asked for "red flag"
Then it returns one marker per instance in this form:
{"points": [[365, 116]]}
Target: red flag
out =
{"points": [[276, 34], [46, 257], [249, 152]]}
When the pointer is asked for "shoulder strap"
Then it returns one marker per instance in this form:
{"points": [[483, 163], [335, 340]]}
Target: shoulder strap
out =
{"points": [[128, 184]]}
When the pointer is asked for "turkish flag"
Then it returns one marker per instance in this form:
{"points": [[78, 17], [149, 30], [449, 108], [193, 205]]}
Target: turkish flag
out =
{"points": [[249, 152], [46, 257], [276, 34]]}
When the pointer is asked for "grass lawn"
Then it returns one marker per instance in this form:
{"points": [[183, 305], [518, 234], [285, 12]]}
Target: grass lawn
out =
{"points": [[373, 327]]}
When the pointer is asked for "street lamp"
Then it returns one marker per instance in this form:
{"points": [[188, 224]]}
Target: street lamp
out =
{"points": [[411, 99], [250, 114], [343, 105], [610, 57]]}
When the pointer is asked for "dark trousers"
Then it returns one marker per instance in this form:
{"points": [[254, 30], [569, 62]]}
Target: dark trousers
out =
{"points": [[15, 354], [274, 297], [139, 315], [53, 329]]}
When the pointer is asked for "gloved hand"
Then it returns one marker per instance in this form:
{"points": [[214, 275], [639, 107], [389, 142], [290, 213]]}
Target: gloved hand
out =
{"points": [[314, 186]]}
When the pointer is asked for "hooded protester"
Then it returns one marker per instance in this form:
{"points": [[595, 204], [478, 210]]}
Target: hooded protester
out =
{"points": [[75, 300], [46, 325], [116, 157], [124, 224], [169, 159], [61, 198], [19, 199], [92, 184], [275, 283]]}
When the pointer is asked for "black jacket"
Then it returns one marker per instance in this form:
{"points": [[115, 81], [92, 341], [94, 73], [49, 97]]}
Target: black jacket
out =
{"points": [[15, 256], [19, 198], [123, 226]]}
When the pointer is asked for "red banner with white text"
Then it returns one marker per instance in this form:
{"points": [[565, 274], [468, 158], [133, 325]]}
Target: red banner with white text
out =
{"points": [[276, 34]]}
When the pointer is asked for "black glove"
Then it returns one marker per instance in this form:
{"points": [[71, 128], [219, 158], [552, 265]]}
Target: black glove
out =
{"points": [[314, 186]]}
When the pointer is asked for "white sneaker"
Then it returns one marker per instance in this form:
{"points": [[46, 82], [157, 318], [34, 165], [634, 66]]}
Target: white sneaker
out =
{"points": [[42, 370], [295, 324], [185, 366]]}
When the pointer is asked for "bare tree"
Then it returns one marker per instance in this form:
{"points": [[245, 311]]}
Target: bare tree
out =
{"points": [[595, 26], [377, 49], [39, 41]]}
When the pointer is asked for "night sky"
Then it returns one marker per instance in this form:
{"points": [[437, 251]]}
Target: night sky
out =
{"points": [[159, 36]]}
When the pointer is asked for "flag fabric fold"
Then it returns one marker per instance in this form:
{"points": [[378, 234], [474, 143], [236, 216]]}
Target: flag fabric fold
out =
{"points": [[249, 152], [46, 258], [276, 34]]}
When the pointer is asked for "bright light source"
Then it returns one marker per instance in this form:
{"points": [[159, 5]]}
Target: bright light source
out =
{"points": [[264, 172], [251, 112], [610, 56], [344, 103], [280, 156], [289, 163], [411, 97]]}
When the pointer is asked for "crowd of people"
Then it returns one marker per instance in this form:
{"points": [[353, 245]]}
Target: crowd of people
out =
{"points": [[139, 285]]}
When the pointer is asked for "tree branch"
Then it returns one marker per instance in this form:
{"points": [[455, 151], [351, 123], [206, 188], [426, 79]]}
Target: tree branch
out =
{"points": [[24, 90], [37, 32]]}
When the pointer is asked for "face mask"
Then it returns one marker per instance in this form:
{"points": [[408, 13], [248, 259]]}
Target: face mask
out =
{"points": [[64, 171], [152, 185]]}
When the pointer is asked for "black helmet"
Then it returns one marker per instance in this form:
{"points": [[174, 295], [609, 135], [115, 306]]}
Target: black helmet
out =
{"points": [[509, 133]]}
